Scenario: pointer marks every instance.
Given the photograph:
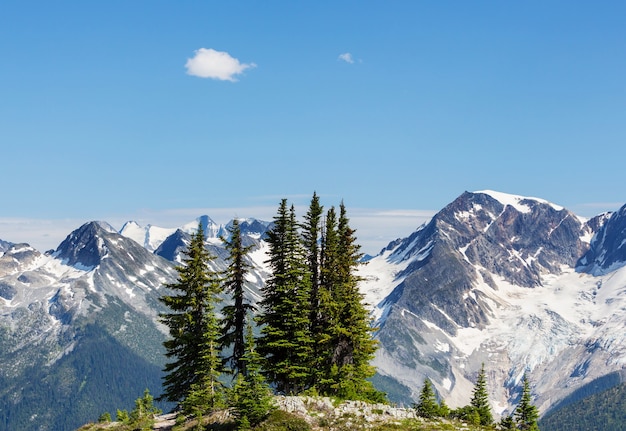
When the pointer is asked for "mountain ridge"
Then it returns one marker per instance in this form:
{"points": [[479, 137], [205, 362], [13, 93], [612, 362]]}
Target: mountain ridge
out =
{"points": [[467, 268], [518, 283]]}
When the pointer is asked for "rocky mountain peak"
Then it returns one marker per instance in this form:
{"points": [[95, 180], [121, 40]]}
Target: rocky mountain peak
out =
{"points": [[173, 245], [517, 238], [86, 246], [17, 257], [607, 250], [4, 246]]}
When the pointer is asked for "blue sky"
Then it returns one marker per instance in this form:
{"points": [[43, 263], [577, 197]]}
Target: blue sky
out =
{"points": [[160, 111]]}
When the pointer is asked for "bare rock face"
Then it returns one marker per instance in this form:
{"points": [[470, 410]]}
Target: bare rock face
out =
{"points": [[608, 248], [517, 283], [475, 238]]}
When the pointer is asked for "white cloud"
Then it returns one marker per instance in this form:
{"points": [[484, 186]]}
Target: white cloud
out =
{"points": [[347, 57], [209, 63]]}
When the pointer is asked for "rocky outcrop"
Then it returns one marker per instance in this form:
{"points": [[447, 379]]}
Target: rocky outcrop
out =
{"points": [[322, 409]]}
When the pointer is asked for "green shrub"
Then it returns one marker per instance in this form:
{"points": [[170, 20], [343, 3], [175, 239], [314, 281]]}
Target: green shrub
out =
{"points": [[105, 417], [280, 420]]}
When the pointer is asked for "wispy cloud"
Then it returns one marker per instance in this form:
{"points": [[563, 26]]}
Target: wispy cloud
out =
{"points": [[209, 63], [375, 228], [347, 57]]}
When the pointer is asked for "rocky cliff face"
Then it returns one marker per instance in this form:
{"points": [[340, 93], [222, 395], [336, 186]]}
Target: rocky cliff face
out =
{"points": [[493, 278], [475, 239], [608, 248]]}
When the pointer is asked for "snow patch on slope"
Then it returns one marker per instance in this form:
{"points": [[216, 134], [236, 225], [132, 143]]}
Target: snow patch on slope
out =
{"points": [[379, 279], [515, 200], [149, 237]]}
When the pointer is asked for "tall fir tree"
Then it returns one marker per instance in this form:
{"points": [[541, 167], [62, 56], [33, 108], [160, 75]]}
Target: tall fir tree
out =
{"points": [[285, 341], [311, 233], [346, 337], [480, 399], [311, 241], [251, 396], [192, 347], [234, 320], [355, 347], [526, 414], [327, 312], [207, 392]]}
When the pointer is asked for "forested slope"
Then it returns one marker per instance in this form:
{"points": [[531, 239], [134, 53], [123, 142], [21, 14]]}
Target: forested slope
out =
{"points": [[604, 411]]}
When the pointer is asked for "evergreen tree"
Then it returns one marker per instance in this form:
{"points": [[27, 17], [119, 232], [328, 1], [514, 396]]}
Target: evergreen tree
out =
{"points": [[444, 410], [355, 346], [142, 416], [285, 340], [345, 334], [207, 392], [312, 240], [311, 232], [526, 414], [480, 399], [122, 416], [192, 346], [234, 320], [507, 423], [427, 407], [327, 306], [251, 396]]}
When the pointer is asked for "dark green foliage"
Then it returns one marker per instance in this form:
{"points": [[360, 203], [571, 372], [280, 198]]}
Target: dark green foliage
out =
{"points": [[507, 423], [444, 410], [193, 346], [480, 399], [105, 417], [234, 320], [285, 340], [327, 307], [526, 414], [251, 397], [478, 412], [311, 238], [122, 416], [315, 330], [100, 375], [468, 414], [345, 341], [604, 411], [427, 406], [142, 416], [311, 233], [280, 420]]}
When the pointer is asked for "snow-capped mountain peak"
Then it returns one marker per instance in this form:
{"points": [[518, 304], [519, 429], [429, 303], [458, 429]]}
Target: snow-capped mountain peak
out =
{"points": [[494, 278]]}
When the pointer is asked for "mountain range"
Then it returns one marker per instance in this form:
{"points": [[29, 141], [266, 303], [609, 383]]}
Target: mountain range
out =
{"points": [[516, 283]]}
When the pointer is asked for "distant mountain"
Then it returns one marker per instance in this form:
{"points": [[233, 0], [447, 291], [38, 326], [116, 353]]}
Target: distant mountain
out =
{"points": [[79, 330], [517, 283], [496, 278]]}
